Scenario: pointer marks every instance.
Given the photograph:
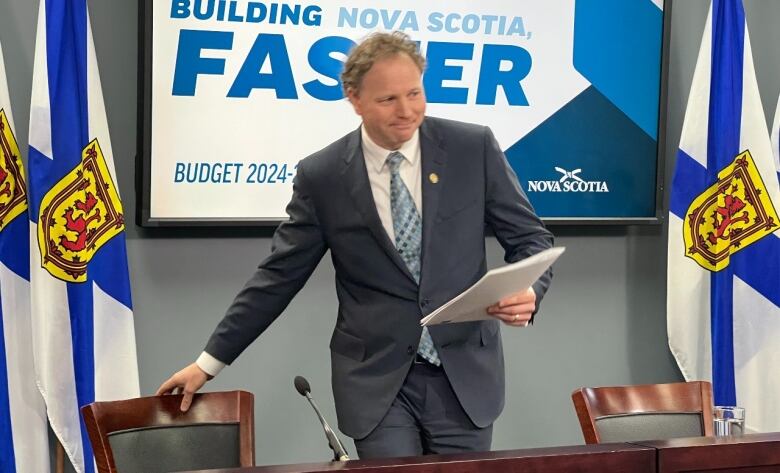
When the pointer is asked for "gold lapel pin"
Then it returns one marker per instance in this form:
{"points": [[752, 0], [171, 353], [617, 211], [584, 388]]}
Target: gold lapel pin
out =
{"points": [[433, 177]]}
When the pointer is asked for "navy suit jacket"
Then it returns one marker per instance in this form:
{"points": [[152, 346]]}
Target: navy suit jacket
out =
{"points": [[380, 305]]}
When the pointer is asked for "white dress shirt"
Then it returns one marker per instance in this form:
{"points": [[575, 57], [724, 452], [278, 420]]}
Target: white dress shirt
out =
{"points": [[379, 176], [379, 179]]}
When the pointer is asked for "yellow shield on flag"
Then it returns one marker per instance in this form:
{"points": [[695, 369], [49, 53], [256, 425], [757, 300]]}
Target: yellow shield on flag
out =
{"points": [[78, 215], [730, 215], [13, 194]]}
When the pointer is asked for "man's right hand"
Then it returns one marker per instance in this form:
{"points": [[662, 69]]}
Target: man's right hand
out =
{"points": [[187, 381]]}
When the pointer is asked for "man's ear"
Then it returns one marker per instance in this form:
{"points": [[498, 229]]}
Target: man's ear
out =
{"points": [[353, 98]]}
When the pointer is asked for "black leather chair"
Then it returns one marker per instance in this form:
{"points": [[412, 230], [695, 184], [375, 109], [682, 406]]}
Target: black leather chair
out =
{"points": [[151, 434], [644, 412]]}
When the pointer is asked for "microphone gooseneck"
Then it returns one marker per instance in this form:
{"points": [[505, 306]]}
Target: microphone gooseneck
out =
{"points": [[304, 389]]}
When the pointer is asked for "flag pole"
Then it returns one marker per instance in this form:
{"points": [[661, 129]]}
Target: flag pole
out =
{"points": [[59, 465]]}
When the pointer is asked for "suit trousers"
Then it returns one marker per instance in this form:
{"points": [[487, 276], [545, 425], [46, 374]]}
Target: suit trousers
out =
{"points": [[425, 418]]}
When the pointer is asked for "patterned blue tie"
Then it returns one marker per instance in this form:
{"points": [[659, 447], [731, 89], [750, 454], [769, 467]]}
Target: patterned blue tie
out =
{"points": [[407, 226]]}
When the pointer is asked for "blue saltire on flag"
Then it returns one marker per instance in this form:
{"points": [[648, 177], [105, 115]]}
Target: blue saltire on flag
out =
{"points": [[23, 431], [723, 292], [81, 308]]}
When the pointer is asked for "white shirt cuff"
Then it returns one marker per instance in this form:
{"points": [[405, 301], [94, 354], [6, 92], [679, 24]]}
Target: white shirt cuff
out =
{"points": [[209, 364]]}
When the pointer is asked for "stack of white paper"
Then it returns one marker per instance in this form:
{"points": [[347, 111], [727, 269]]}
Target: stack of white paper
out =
{"points": [[496, 284]]}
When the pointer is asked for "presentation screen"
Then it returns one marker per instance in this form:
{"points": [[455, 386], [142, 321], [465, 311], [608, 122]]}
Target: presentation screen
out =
{"points": [[235, 93]]}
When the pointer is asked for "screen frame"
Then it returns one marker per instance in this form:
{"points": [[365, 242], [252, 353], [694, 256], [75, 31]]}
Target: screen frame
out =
{"points": [[144, 143]]}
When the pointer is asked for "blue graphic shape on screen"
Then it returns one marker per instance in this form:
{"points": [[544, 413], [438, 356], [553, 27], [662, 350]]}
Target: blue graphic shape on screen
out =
{"points": [[587, 160], [617, 47]]}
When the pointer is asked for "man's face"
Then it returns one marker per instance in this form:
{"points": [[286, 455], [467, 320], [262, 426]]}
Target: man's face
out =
{"points": [[391, 101]]}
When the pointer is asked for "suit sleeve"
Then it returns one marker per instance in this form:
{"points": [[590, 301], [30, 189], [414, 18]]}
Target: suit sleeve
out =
{"points": [[510, 215], [297, 248]]}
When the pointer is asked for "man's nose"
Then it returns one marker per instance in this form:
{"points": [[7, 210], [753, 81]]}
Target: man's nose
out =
{"points": [[403, 108]]}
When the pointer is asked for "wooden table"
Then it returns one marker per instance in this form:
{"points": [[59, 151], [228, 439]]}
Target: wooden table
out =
{"points": [[754, 453], [603, 458]]}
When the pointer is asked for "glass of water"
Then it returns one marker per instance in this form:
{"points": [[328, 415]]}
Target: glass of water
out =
{"points": [[729, 420]]}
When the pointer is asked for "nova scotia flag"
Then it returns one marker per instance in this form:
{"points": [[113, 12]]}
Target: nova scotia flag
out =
{"points": [[723, 295], [24, 443], [83, 332]]}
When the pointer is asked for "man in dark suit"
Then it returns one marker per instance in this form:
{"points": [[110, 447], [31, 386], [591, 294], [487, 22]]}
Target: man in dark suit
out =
{"points": [[402, 204]]}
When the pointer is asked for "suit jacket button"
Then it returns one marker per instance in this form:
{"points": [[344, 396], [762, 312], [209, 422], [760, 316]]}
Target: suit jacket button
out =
{"points": [[410, 350], [425, 302]]}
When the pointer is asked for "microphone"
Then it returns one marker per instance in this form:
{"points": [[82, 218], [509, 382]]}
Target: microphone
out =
{"points": [[339, 452]]}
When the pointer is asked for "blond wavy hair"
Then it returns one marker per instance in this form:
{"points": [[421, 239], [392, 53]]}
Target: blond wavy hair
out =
{"points": [[373, 48]]}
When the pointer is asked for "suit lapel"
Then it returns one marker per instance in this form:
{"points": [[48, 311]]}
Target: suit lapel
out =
{"points": [[356, 178], [433, 180]]}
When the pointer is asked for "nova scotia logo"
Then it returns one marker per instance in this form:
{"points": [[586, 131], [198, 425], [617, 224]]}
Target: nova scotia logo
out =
{"points": [[570, 181], [569, 174]]}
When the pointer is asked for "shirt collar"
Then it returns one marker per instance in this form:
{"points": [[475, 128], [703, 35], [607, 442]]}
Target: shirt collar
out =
{"points": [[376, 156]]}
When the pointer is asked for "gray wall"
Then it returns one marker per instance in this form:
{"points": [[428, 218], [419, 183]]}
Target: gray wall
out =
{"points": [[602, 322]]}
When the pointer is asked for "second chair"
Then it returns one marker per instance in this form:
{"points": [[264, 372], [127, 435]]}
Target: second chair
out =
{"points": [[644, 412]]}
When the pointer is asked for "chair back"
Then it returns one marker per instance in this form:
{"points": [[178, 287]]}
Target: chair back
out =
{"points": [[151, 434], [644, 412]]}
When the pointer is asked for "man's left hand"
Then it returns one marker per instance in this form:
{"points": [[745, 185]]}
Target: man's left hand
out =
{"points": [[516, 309]]}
